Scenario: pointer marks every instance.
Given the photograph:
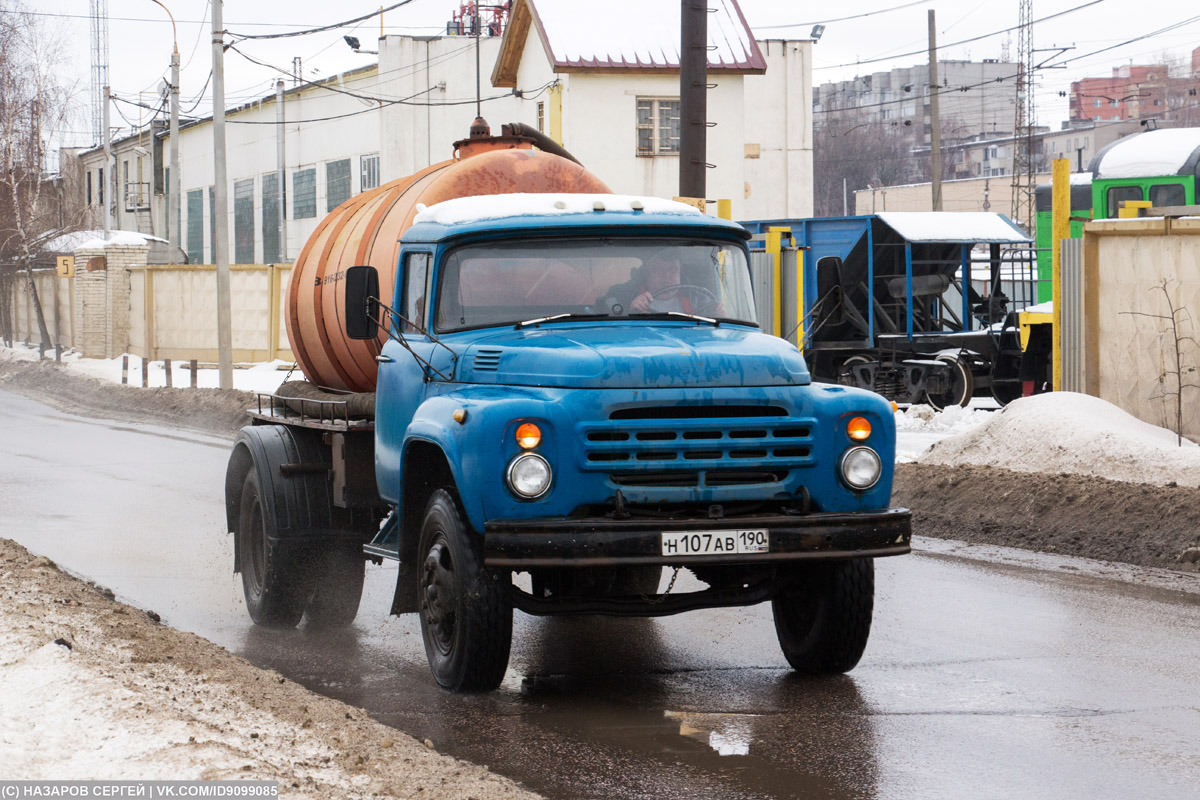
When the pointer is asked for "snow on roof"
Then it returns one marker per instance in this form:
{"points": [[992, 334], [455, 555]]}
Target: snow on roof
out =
{"points": [[1163, 152], [1073, 433], [953, 226], [498, 206], [1081, 179], [631, 35], [95, 239]]}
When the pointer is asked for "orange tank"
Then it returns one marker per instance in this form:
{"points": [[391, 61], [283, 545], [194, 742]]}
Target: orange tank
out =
{"points": [[366, 229]]}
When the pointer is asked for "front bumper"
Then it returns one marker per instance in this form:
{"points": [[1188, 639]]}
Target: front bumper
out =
{"points": [[590, 542]]}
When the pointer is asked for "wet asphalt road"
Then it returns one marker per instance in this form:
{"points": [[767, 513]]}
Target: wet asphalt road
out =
{"points": [[981, 679]]}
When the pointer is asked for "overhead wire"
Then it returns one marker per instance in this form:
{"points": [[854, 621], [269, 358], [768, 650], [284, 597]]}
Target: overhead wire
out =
{"points": [[840, 19], [323, 28]]}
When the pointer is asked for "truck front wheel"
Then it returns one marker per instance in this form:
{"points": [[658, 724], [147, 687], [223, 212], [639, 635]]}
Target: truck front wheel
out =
{"points": [[823, 615], [465, 610], [272, 575]]}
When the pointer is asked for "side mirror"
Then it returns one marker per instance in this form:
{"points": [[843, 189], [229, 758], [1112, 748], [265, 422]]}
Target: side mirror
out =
{"points": [[362, 303]]}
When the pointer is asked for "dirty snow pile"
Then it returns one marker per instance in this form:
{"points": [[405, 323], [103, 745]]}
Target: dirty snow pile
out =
{"points": [[92, 689], [919, 427], [1066, 432]]}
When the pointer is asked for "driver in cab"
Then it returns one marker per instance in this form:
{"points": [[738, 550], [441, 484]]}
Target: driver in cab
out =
{"points": [[652, 289]]}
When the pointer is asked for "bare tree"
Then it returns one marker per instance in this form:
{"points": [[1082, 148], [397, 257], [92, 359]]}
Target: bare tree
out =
{"points": [[862, 154], [1182, 375], [35, 106]]}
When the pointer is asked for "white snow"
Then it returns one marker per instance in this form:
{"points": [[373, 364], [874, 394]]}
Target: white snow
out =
{"points": [[116, 238], [953, 226], [638, 33], [1041, 308], [499, 206], [76, 239], [919, 427], [262, 377], [1073, 433], [1081, 179], [1162, 152]]}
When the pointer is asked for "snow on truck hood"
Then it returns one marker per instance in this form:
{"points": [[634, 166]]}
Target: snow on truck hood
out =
{"points": [[498, 206], [613, 356]]}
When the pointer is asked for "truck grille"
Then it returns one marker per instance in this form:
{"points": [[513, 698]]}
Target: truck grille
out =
{"points": [[697, 445]]}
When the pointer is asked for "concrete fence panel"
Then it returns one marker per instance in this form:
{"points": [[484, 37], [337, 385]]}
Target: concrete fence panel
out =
{"points": [[1130, 342]]}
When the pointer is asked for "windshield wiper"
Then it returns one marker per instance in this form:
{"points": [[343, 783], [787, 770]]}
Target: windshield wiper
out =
{"points": [[697, 317], [552, 317]]}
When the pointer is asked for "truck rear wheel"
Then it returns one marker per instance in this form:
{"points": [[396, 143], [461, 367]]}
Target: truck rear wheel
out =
{"points": [[272, 575], [465, 609], [823, 615]]}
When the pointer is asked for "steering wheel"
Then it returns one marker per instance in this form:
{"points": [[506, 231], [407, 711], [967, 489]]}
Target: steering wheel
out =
{"points": [[702, 300]]}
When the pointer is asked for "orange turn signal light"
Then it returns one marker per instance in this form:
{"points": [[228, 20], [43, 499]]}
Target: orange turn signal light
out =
{"points": [[529, 435], [858, 429]]}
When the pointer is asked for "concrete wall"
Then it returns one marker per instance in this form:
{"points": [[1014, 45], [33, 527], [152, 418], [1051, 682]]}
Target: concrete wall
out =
{"points": [[777, 162], [1127, 352], [55, 294], [972, 194]]}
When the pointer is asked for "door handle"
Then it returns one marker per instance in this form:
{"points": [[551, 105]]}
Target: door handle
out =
{"points": [[382, 359]]}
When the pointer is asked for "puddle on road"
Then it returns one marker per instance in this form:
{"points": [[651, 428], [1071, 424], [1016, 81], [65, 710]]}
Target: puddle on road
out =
{"points": [[728, 734]]}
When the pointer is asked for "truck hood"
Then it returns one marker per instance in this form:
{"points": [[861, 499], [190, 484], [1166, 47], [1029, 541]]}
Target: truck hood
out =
{"points": [[610, 355]]}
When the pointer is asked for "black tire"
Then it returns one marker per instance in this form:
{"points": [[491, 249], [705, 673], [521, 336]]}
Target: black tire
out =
{"points": [[823, 615], [273, 576], [337, 584], [465, 610], [962, 386]]}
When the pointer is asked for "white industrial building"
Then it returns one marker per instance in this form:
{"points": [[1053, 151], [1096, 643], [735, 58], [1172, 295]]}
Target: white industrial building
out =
{"points": [[610, 97]]}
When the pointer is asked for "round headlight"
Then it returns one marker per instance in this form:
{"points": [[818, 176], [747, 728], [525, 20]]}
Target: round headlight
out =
{"points": [[861, 468], [529, 475]]}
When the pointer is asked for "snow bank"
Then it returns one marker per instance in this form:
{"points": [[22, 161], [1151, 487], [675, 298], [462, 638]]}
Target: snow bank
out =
{"points": [[919, 427], [1162, 152], [1073, 433], [497, 206]]}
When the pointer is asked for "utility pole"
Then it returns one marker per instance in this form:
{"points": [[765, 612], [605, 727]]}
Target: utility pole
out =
{"points": [[935, 117], [109, 179], [173, 183], [281, 163], [221, 200], [693, 98]]}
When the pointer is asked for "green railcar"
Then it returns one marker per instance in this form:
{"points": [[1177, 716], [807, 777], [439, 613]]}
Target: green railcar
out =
{"points": [[1159, 166]]}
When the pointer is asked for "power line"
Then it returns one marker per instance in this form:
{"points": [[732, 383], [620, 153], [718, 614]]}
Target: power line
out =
{"points": [[941, 47], [323, 28], [841, 19]]}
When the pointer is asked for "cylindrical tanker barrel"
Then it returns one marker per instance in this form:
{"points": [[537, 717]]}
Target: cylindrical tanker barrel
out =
{"points": [[366, 230]]}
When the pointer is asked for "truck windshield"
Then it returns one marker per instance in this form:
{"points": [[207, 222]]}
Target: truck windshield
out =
{"points": [[507, 283]]}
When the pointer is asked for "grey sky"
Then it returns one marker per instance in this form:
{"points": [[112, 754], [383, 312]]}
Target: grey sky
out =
{"points": [[140, 39]]}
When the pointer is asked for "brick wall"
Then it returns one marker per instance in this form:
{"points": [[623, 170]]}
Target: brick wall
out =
{"points": [[102, 299]]}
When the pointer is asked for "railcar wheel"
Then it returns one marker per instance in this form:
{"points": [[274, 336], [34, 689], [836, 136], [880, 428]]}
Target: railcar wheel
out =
{"points": [[823, 615], [465, 609], [962, 385]]}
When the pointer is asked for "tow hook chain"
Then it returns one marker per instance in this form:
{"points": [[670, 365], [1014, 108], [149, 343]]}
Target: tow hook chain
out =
{"points": [[655, 601]]}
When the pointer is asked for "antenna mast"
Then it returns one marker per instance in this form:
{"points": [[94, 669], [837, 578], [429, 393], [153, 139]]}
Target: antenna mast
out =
{"points": [[1024, 157], [99, 16]]}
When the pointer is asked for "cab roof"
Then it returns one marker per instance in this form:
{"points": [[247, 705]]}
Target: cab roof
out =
{"points": [[492, 213]]}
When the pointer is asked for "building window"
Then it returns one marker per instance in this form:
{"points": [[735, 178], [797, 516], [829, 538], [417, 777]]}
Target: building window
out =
{"points": [[195, 226], [337, 183], [368, 172], [541, 119], [89, 187], [657, 127], [304, 193], [243, 221], [1097, 102], [100, 181], [270, 217]]}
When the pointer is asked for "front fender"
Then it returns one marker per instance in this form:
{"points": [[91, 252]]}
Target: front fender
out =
{"points": [[477, 448]]}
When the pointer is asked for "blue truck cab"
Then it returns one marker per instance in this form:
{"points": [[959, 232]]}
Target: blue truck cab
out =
{"points": [[575, 391]]}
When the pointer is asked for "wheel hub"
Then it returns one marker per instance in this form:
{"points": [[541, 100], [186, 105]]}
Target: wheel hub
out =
{"points": [[439, 596]]}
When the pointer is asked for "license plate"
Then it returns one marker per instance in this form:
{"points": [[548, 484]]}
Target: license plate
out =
{"points": [[714, 543]]}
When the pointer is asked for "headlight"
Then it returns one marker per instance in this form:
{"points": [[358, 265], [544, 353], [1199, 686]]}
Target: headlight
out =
{"points": [[860, 468], [529, 475]]}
